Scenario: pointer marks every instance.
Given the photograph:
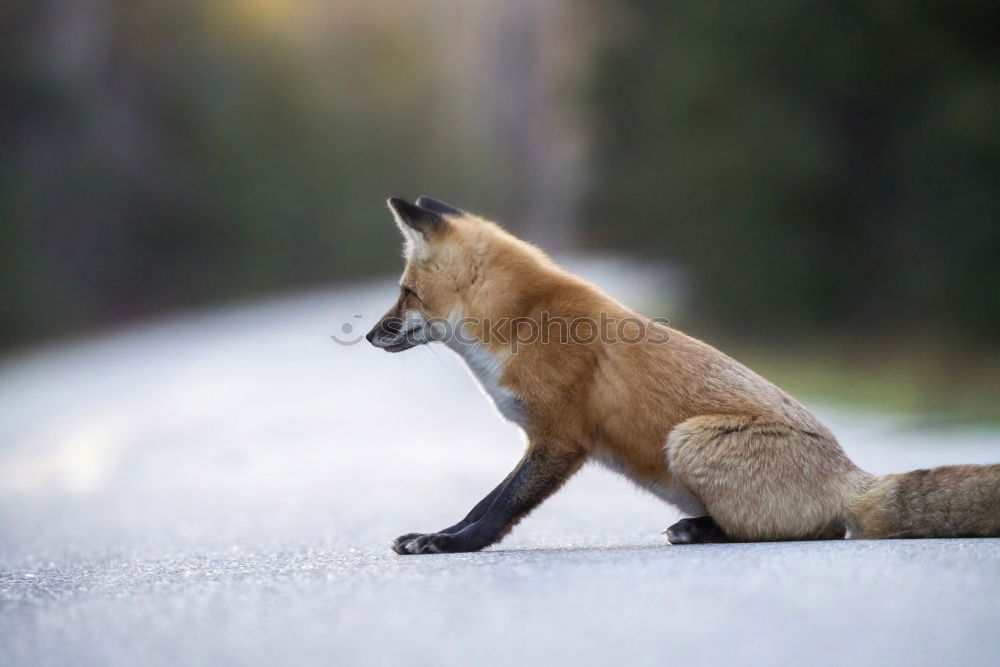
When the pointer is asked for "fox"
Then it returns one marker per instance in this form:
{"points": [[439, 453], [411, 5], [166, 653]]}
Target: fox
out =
{"points": [[741, 458]]}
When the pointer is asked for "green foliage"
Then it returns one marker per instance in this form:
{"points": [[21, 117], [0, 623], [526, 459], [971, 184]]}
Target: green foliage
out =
{"points": [[824, 168], [157, 155], [816, 167]]}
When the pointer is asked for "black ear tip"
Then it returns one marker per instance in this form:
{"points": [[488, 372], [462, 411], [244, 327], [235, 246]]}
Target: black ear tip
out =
{"points": [[414, 216], [405, 209], [437, 206]]}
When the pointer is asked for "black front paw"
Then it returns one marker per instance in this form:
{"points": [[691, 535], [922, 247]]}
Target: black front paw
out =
{"points": [[431, 543]]}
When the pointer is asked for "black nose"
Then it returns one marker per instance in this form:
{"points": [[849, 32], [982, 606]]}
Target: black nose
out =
{"points": [[390, 326]]}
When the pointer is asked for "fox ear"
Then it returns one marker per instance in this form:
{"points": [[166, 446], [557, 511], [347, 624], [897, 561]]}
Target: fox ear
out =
{"points": [[438, 206], [412, 218], [417, 224]]}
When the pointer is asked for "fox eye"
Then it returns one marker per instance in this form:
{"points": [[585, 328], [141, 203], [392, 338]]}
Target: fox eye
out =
{"points": [[407, 291]]}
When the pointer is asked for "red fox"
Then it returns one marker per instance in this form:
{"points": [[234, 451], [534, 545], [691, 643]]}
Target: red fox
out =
{"points": [[588, 379]]}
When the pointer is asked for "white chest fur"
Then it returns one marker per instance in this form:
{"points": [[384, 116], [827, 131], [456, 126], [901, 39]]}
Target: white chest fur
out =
{"points": [[487, 367]]}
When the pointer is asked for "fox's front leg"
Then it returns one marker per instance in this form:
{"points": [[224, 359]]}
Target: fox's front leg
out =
{"points": [[470, 518], [542, 470]]}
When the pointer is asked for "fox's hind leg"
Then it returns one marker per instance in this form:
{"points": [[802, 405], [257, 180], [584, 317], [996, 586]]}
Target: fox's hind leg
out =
{"points": [[761, 479], [699, 530]]}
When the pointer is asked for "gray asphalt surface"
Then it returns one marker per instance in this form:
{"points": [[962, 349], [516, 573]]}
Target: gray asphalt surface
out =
{"points": [[221, 489]]}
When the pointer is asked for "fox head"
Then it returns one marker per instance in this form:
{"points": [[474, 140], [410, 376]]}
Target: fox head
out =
{"points": [[458, 265], [430, 290]]}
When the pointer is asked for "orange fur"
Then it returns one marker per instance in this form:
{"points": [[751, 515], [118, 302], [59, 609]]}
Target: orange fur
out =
{"points": [[677, 416]]}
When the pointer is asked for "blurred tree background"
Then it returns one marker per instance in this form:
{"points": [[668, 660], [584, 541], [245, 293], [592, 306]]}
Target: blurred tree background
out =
{"points": [[817, 172], [818, 169], [158, 155]]}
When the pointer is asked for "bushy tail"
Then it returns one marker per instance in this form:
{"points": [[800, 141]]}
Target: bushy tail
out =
{"points": [[951, 501]]}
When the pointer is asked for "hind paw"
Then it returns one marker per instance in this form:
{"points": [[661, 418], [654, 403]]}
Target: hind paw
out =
{"points": [[699, 530]]}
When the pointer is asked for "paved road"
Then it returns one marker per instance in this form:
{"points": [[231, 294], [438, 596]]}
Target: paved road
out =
{"points": [[221, 488]]}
